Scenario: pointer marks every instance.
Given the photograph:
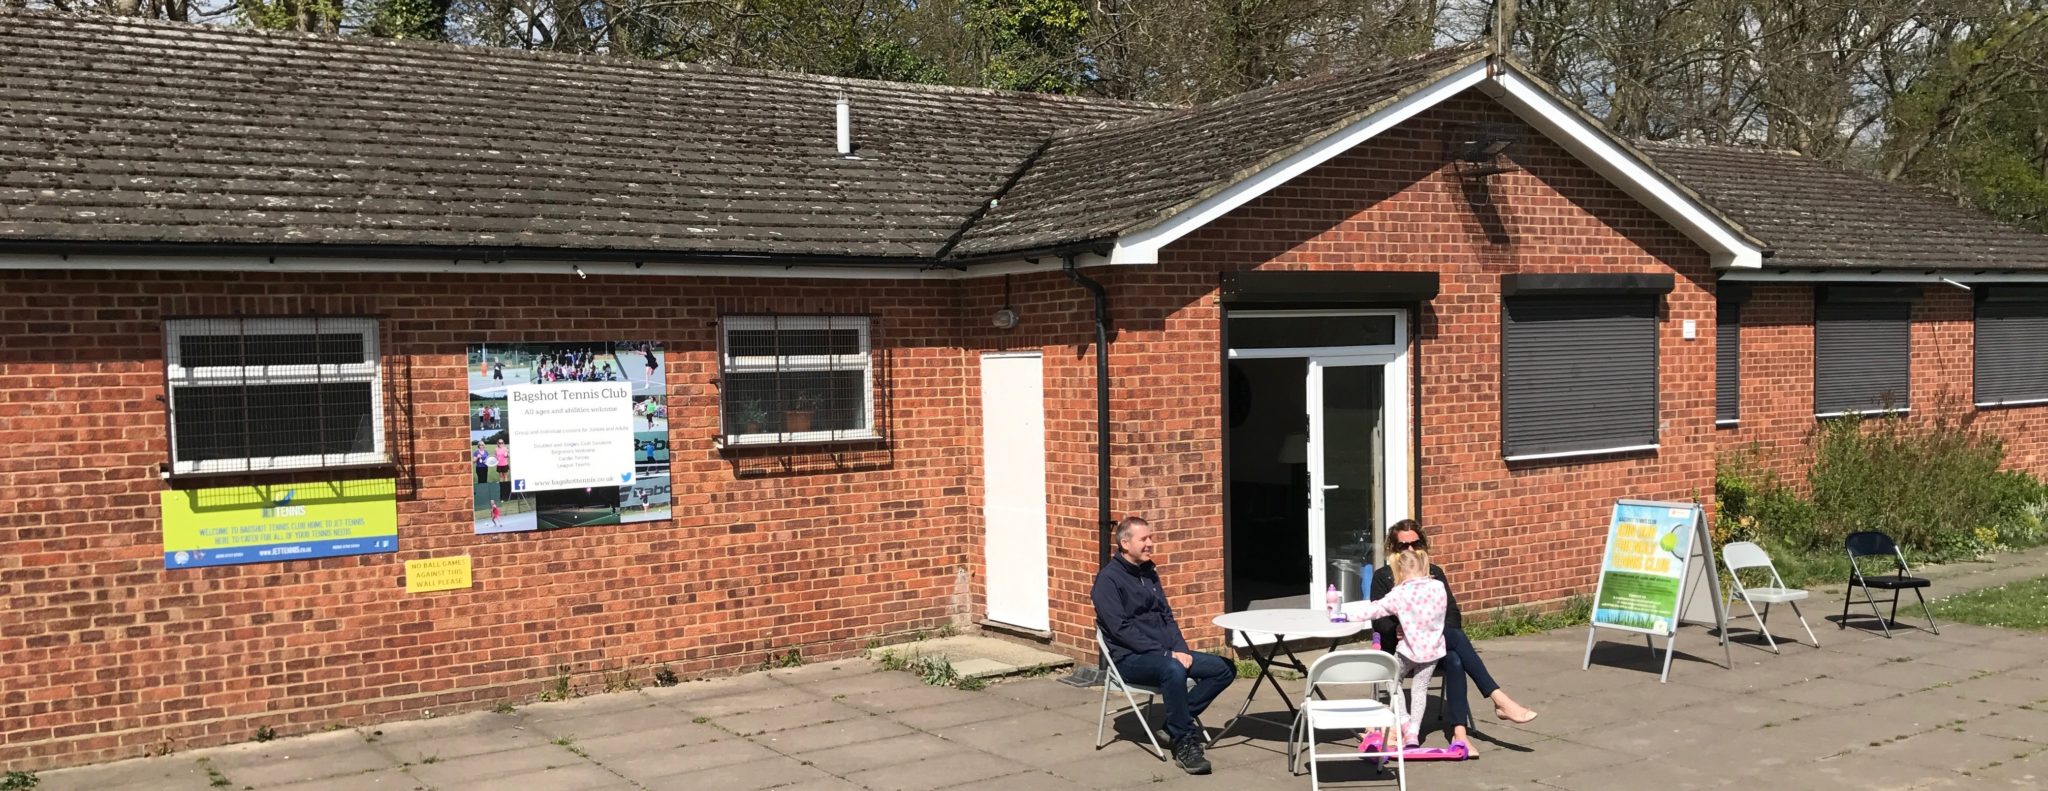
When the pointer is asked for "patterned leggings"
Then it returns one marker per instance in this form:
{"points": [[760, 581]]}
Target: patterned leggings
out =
{"points": [[1418, 676]]}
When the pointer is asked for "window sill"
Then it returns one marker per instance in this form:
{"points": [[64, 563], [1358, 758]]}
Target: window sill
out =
{"points": [[1861, 413], [796, 438], [339, 472], [2023, 402], [1727, 423], [1571, 454]]}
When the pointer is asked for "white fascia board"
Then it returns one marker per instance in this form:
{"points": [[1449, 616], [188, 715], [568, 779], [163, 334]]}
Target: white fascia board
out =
{"points": [[1953, 278], [1143, 246], [1592, 146], [764, 270]]}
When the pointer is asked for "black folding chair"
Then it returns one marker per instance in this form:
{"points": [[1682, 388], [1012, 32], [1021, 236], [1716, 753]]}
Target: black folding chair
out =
{"points": [[1869, 544]]}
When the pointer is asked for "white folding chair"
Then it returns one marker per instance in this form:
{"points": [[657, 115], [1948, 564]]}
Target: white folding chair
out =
{"points": [[1745, 555], [1377, 671], [1113, 680]]}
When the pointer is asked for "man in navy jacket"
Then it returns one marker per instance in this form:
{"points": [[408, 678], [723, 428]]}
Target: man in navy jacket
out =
{"points": [[1146, 645]]}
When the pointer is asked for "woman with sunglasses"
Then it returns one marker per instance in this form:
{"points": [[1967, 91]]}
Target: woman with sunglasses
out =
{"points": [[1460, 661]]}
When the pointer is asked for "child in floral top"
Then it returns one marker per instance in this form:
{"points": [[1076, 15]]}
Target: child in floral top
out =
{"points": [[1419, 603]]}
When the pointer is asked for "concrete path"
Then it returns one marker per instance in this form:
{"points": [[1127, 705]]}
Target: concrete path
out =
{"points": [[1965, 709]]}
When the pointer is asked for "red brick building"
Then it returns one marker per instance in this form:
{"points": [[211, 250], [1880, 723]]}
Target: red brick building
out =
{"points": [[1426, 288]]}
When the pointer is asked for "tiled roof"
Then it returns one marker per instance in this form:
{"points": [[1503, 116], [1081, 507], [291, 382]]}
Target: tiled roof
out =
{"points": [[125, 131], [1096, 182], [1816, 215]]}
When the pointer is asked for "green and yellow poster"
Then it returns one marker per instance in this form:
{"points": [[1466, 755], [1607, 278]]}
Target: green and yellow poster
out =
{"points": [[1648, 548], [294, 521]]}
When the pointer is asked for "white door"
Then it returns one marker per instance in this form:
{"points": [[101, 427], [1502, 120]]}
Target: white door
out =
{"points": [[1013, 488], [1357, 467]]}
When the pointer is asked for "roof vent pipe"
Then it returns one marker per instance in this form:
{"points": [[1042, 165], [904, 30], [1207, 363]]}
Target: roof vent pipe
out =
{"points": [[845, 128]]}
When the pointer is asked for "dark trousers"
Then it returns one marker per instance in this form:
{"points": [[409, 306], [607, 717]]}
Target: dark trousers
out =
{"points": [[1460, 662], [1211, 673]]}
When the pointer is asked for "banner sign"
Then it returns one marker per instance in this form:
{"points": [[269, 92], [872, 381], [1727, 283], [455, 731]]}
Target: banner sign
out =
{"points": [[438, 574], [261, 524], [568, 434], [1648, 549]]}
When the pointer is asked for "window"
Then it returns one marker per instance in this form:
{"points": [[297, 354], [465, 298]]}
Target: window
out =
{"points": [[1728, 364], [1579, 374], [796, 379], [1862, 345], [2012, 346], [255, 394]]}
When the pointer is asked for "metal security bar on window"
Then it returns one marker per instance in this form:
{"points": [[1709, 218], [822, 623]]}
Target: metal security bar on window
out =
{"points": [[254, 394], [796, 379]]}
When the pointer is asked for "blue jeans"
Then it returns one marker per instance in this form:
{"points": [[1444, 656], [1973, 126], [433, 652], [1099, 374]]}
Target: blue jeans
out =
{"points": [[1460, 661], [1212, 674]]}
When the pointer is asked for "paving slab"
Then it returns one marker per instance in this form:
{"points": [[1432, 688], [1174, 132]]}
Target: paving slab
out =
{"points": [[637, 719], [610, 747], [294, 760], [943, 771], [946, 716], [2030, 773], [657, 764], [918, 696], [169, 773], [2029, 725], [1825, 694], [746, 701], [587, 706], [1122, 768], [864, 683], [1660, 775], [1549, 759], [980, 656], [1951, 750], [904, 748], [569, 777], [491, 766], [996, 735], [1047, 693], [2007, 689], [455, 737], [824, 736], [375, 780], [751, 776], [1030, 780], [801, 715], [712, 688]]}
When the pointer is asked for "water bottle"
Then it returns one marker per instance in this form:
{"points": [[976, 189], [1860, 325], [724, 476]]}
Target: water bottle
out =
{"points": [[1334, 600], [1376, 641]]}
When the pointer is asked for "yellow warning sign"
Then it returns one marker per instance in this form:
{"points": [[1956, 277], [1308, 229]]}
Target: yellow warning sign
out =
{"points": [[437, 574]]}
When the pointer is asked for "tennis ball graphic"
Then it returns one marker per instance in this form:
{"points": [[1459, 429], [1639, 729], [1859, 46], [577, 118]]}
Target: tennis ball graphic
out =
{"points": [[1670, 541]]}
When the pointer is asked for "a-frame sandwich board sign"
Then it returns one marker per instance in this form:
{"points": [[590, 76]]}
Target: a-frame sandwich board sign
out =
{"points": [[1659, 559]]}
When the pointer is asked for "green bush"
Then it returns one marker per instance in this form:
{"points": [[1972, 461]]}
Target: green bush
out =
{"points": [[1934, 485], [1755, 505]]}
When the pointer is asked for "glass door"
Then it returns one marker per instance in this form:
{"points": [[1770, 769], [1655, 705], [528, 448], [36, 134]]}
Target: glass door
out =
{"points": [[1347, 471]]}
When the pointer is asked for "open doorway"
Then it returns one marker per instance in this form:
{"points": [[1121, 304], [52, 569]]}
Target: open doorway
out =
{"points": [[1269, 558], [1318, 462]]}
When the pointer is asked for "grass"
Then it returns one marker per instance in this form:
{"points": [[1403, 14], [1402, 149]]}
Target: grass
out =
{"points": [[1517, 620], [2018, 605]]}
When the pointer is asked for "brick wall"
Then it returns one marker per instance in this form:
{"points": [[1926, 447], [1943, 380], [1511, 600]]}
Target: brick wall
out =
{"points": [[1777, 378], [104, 653]]}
